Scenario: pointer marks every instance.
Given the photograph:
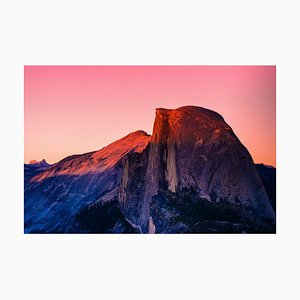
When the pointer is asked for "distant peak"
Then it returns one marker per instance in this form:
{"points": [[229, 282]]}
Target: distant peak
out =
{"points": [[41, 163]]}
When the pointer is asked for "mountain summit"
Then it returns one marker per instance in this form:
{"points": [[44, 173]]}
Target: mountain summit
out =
{"points": [[194, 149], [54, 197], [41, 163], [192, 175]]}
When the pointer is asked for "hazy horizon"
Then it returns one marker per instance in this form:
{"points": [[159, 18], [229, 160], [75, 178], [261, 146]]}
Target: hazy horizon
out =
{"points": [[74, 110]]}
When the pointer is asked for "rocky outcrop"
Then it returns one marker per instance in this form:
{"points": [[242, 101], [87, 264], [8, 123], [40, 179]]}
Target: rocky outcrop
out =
{"points": [[194, 148]]}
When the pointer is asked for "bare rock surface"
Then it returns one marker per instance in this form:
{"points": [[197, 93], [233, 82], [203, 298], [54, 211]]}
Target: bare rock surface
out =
{"points": [[55, 196], [194, 148]]}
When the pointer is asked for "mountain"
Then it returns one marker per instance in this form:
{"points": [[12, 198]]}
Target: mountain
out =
{"points": [[54, 196], [194, 157], [192, 175], [268, 177], [33, 168], [41, 163]]}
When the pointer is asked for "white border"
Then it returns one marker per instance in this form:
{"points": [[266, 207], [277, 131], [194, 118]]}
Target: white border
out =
{"points": [[156, 32]]}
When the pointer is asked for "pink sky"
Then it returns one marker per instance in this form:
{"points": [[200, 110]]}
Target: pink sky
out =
{"points": [[71, 110]]}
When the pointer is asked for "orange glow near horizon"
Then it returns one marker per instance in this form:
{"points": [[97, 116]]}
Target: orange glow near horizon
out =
{"points": [[71, 110]]}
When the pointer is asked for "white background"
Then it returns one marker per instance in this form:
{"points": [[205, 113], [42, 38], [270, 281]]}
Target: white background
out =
{"points": [[162, 266]]}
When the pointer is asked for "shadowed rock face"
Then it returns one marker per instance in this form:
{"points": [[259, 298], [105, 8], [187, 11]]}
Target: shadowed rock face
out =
{"points": [[194, 148], [268, 177], [53, 198], [192, 175]]}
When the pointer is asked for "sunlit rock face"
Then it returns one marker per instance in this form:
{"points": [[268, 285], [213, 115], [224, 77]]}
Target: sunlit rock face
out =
{"points": [[194, 148], [192, 175], [54, 197], [199, 149]]}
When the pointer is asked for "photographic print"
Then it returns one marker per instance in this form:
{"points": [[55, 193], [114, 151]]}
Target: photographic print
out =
{"points": [[150, 149]]}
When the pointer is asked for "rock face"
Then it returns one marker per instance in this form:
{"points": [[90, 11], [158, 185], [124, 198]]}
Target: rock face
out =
{"points": [[192, 175], [193, 148], [54, 197]]}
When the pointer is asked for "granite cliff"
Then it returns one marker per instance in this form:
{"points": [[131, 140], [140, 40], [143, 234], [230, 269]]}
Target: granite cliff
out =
{"points": [[193, 149]]}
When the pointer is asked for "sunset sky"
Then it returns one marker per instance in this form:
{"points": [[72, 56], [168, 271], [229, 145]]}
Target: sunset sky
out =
{"points": [[72, 110]]}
